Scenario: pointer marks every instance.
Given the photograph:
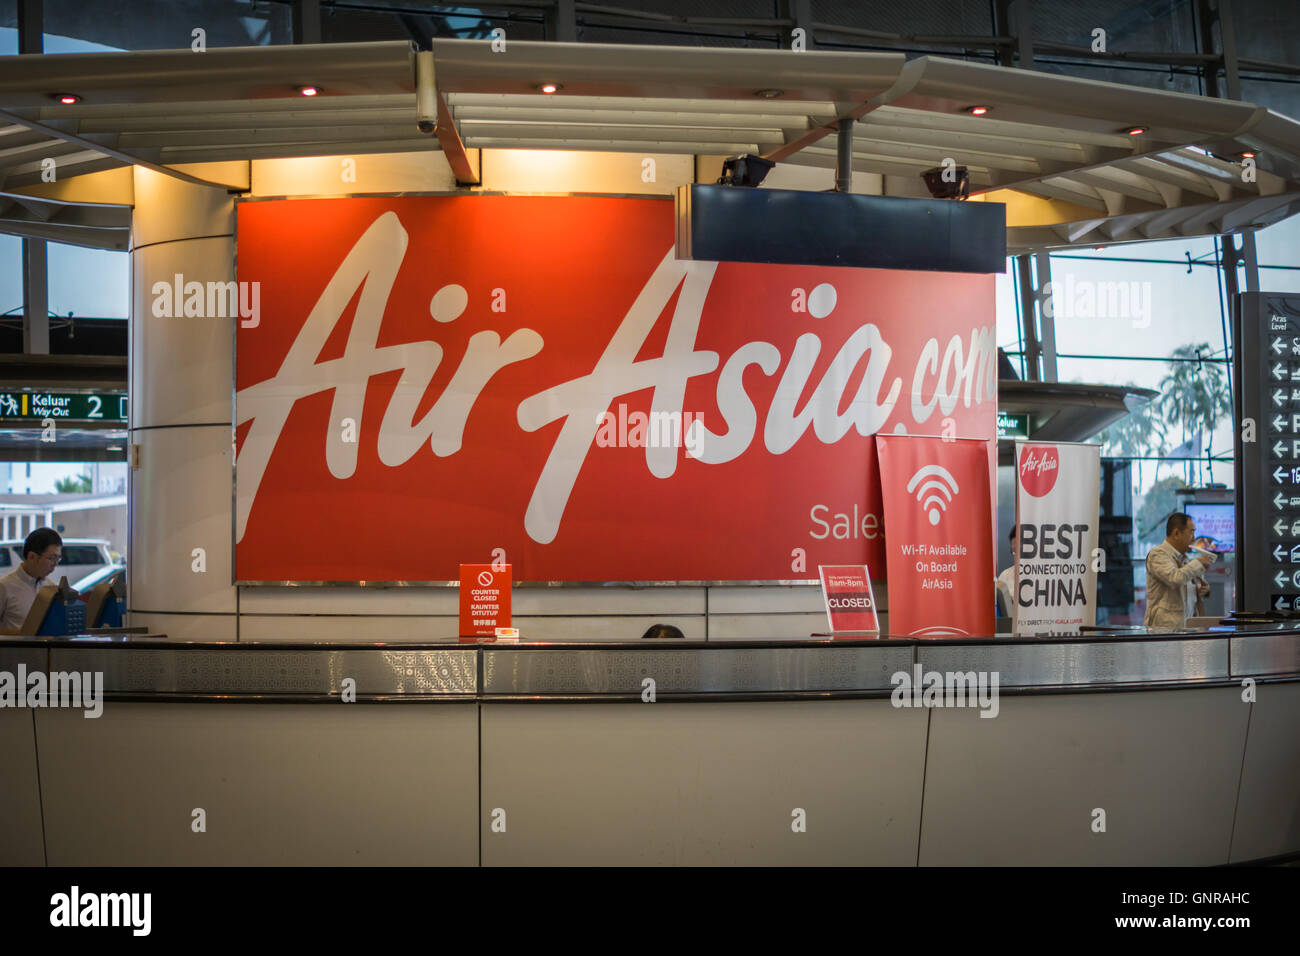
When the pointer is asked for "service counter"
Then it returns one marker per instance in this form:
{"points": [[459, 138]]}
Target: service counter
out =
{"points": [[1119, 748]]}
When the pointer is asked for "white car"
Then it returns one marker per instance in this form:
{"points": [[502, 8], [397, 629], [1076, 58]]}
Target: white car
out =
{"points": [[80, 557]]}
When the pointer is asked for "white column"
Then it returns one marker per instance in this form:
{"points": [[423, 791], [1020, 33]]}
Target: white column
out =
{"points": [[179, 547]]}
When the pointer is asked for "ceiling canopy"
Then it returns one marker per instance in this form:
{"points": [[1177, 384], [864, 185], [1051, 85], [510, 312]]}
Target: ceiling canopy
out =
{"points": [[1047, 136]]}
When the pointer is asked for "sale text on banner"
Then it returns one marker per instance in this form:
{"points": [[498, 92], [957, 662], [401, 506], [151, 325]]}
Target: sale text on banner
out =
{"points": [[1058, 502], [939, 551], [435, 377], [850, 605], [484, 599]]}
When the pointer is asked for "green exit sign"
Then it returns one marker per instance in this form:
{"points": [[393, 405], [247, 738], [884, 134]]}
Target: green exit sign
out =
{"points": [[1013, 426], [63, 406]]}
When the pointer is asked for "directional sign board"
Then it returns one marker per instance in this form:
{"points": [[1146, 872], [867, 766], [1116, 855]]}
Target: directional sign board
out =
{"points": [[35, 407], [1012, 426], [1266, 373]]}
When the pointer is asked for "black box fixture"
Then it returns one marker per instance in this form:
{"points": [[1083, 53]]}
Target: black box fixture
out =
{"points": [[791, 227]]}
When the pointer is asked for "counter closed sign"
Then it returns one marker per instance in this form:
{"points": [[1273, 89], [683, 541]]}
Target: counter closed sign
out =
{"points": [[484, 599], [850, 605]]}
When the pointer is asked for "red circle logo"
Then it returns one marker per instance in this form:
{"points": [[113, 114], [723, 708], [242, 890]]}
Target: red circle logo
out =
{"points": [[1039, 465]]}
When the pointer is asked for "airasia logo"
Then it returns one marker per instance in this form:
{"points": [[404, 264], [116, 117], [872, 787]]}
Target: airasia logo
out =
{"points": [[1039, 466]]}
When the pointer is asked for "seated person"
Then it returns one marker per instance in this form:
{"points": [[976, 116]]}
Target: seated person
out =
{"points": [[42, 552]]}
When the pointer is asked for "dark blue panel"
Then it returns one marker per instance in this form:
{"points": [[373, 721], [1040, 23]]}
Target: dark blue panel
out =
{"points": [[791, 227]]}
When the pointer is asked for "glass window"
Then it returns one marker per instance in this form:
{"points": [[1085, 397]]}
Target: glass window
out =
{"points": [[1138, 300], [11, 276], [1277, 245], [89, 283]]}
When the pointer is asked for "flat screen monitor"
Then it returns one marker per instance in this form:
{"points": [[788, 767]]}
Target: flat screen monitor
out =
{"points": [[1216, 527]]}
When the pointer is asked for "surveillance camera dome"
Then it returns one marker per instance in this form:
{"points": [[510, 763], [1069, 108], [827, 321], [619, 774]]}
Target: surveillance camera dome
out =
{"points": [[426, 126]]}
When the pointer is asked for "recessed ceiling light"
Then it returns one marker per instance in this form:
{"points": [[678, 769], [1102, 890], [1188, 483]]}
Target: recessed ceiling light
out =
{"points": [[1136, 130], [1247, 155], [550, 87], [977, 110], [769, 94], [307, 91], [67, 99]]}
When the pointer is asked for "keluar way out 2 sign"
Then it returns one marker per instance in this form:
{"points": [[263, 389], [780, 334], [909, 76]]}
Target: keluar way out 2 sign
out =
{"points": [[435, 380]]}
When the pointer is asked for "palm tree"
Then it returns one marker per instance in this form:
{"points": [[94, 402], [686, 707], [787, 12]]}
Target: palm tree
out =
{"points": [[1139, 433], [1194, 394]]}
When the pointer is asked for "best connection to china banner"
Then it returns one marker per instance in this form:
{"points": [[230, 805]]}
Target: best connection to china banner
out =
{"points": [[1058, 503], [430, 381], [940, 560]]}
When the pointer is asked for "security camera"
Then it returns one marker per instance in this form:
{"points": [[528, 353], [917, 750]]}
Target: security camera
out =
{"points": [[428, 127]]}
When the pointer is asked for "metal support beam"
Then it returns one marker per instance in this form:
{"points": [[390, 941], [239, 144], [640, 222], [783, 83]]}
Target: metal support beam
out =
{"points": [[1228, 37], [1250, 261], [562, 22], [36, 274], [36, 303], [844, 156], [1015, 18], [799, 15], [1028, 320], [306, 21], [1046, 317], [31, 31]]}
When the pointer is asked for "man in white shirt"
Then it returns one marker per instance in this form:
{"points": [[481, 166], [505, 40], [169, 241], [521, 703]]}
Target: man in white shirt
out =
{"points": [[42, 552], [1168, 572]]}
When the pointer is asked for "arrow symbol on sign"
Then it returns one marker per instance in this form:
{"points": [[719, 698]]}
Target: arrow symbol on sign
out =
{"points": [[1279, 553], [1279, 527], [1279, 397], [1280, 580], [1279, 501], [1279, 371], [1278, 474], [1278, 346], [1279, 449], [1278, 423], [1281, 603]]}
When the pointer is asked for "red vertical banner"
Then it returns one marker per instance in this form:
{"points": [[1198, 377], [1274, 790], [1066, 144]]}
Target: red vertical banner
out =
{"points": [[939, 529]]}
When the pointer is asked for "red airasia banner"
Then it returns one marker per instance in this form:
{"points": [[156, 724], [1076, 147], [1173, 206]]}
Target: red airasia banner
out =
{"points": [[939, 559], [433, 380]]}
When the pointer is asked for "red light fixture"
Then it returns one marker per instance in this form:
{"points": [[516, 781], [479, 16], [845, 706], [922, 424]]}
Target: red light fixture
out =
{"points": [[1136, 130], [977, 110], [550, 87], [307, 91], [1247, 155], [67, 99]]}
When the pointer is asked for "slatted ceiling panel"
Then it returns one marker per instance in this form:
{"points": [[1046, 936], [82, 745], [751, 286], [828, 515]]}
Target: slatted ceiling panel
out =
{"points": [[544, 131], [83, 224], [524, 105], [617, 146]]}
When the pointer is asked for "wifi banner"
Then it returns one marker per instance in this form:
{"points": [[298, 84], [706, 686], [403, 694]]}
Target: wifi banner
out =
{"points": [[939, 535], [1058, 502]]}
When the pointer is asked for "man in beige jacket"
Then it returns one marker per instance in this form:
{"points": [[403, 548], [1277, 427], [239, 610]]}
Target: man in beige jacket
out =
{"points": [[1168, 572]]}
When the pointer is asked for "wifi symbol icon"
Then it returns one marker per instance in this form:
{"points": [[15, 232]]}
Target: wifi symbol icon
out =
{"points": [[934, 487]]}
